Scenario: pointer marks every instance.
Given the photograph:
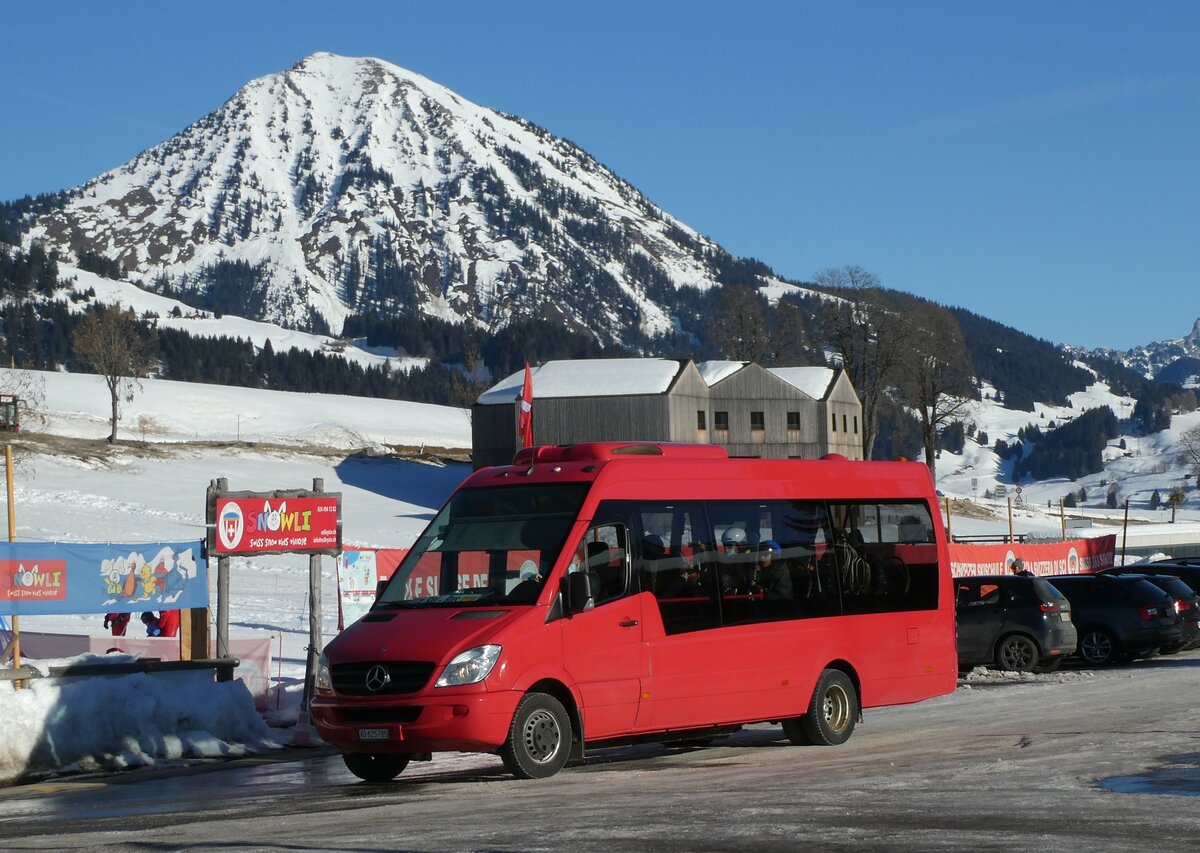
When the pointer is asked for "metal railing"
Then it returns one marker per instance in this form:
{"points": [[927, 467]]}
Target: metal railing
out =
{"points": [[223, 667]]}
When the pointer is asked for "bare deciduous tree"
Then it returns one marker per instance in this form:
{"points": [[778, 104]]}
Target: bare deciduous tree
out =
{"points": [[472, 380], [120, 350], [935, 380], [29, 389], [1189, 450], [740, 328], [869, 336]]}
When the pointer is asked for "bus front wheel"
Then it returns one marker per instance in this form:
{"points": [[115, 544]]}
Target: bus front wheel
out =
{"points": [[375, 767], [832, 712], [539, 740]]}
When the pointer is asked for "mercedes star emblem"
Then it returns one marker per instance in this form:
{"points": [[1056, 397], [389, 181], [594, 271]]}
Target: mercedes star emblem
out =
{"points": [[377, 678]]}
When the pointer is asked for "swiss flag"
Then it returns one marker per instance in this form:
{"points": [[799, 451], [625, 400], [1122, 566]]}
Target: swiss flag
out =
{"points": [[525, 419]]}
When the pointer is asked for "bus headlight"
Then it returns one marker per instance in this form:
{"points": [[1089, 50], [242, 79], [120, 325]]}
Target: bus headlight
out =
{"points": [[323, 681], [470, 667]]}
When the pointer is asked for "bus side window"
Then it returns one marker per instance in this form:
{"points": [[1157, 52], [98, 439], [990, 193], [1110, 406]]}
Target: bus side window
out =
{"points": [[606, 561], [675, 563]]}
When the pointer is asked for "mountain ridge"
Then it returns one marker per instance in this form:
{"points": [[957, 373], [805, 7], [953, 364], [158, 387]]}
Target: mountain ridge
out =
{"points": [[1175, 360], [347, 186]]}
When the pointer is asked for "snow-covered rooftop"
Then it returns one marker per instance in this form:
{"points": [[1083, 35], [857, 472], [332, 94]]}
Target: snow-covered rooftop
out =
{"points": [[813, 381], [612, 377], [714, 371], [588, 377]]}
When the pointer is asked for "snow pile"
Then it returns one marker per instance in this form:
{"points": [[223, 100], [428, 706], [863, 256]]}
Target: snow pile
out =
{"points": [[115, 722]]}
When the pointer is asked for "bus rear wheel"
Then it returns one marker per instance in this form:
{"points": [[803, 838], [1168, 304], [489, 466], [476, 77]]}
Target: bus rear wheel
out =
{"points": [[375, 767], [539, 740], [832, 712]]}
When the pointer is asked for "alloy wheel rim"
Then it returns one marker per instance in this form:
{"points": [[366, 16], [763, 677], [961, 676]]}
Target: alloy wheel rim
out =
{"points": [[836, 708]]}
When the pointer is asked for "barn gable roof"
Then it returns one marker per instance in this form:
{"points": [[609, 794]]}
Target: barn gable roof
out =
{"points": [[816, 382], [589, 377]]}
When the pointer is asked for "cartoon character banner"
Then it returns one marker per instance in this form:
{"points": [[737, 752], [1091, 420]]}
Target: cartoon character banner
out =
{"points": [[48, 578], [359, 571]]}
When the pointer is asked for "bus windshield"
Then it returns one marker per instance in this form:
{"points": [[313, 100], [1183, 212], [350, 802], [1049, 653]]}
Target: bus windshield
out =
{"points": [[488, 546]]}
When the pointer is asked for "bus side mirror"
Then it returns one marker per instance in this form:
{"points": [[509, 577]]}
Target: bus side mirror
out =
{"points": [[379, 588], [577, 592]]}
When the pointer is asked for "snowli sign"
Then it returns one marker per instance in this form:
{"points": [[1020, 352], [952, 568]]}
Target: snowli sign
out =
{"points": [[277, 522]]}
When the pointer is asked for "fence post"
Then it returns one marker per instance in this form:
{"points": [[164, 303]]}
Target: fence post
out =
{"points": [[221, 487], [314, 615]]}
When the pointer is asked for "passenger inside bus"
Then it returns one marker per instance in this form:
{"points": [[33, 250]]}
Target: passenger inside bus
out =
{"points": [[771, 573], [530, 585], [736, 562]]}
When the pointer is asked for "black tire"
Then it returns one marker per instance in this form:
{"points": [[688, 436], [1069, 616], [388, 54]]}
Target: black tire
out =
{"points": [[1098, 647], [1016, 653], [1049, 665], [794, 731], [539, 740], [833, 710], [375, 767]]}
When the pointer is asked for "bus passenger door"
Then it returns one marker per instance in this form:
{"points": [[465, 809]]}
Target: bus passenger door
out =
{"points": [[603, 650]]}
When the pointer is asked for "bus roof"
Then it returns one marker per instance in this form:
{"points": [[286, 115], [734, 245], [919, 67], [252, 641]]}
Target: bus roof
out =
{"points": [[654, 469]]}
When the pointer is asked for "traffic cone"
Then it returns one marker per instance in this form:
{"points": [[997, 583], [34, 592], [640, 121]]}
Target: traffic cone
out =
{"points": [[303, 734]]}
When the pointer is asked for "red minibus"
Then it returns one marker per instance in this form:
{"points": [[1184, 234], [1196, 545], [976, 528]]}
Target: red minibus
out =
{"points": [[596, 594]]}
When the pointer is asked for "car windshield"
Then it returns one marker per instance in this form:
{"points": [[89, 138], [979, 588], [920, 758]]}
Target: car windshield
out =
{"points": [[488, 546]]}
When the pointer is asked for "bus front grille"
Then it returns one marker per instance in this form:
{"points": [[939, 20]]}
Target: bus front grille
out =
{"points": [[381, 678]]}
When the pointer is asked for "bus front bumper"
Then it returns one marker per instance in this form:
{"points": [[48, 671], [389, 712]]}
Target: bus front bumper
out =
{"points": [[477, 722]]}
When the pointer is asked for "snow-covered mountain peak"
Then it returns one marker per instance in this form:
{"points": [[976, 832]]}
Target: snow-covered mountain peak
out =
{"points": [[347, 185]]}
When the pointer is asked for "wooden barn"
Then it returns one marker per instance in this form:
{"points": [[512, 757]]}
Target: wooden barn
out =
{"points": [[799, 412]]}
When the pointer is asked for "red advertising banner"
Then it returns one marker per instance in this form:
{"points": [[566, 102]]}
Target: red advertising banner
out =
{"points": [[1075, 556], [33, 580], [273, 525]]}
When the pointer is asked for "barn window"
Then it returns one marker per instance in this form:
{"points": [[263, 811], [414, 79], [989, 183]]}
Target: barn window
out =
{"points": [[758, 423]]}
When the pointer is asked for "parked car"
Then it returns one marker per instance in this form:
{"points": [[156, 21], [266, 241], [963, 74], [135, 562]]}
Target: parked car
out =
{"points": [[1119, 617], [1187, 570], [1187, 605], [1021, 624]]}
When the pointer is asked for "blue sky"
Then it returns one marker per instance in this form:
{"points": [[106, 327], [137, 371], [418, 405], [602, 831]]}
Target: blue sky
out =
{"points": [[1037, 163]]}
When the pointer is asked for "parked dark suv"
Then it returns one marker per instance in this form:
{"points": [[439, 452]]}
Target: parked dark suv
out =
{"points": [[1014, 623], [1187, 605], [1119, 618], [1187, 570]]}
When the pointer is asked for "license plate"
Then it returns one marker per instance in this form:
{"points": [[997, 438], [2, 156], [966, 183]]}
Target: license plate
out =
{"points": [[374, 734]]}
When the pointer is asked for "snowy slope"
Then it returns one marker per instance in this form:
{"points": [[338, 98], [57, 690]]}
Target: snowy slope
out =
{"points": [[1147, 463], [168, 313]]}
